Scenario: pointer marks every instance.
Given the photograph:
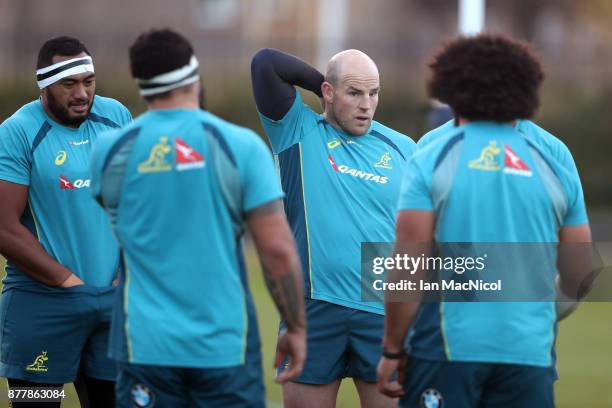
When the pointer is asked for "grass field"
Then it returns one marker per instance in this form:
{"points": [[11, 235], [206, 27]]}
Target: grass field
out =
{"points": [[584, 350]]}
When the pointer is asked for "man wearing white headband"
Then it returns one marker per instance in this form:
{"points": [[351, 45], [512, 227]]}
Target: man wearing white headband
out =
{"points": [[61, 255], [180, 185]]}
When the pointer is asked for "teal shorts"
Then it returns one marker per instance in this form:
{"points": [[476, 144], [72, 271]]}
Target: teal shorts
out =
{"points": [[149, 386], [458, 384], [51, 335], [341, 342]]}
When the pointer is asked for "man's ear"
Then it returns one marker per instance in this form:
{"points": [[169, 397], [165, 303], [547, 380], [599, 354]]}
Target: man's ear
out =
{"points": [[327, 90]]}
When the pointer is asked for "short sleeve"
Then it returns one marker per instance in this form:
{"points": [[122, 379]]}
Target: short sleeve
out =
{"points": [[15, 155], [576, 211], [287, 131], [415, 193], [260, 181]]}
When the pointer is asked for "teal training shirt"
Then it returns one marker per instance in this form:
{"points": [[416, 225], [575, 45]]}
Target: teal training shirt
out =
{"points": [[177, 184], [341, 191], [53, 161], [492, 183]]}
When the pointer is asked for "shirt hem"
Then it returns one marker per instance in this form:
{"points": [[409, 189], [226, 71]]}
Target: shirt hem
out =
{"points": [[349, 303], [487, 359]]}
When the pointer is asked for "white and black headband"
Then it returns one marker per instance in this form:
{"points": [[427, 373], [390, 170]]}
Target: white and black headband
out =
{"points": [[53, 73], [185, 75]]}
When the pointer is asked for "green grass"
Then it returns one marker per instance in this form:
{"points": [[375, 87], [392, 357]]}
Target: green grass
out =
{"points": [[584, 350]]}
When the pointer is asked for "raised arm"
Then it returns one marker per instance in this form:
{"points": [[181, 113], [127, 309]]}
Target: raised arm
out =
{"points": [[274, 75], [21, 247], [283, 276]]}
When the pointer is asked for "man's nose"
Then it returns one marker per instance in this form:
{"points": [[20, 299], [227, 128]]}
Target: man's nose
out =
{"points": [[80, 92], [365, 102]]}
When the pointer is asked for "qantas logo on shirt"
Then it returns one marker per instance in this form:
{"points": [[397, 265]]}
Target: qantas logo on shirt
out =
{"points": [[186, 157], [514, 165], [66, 184], [356, 173]]}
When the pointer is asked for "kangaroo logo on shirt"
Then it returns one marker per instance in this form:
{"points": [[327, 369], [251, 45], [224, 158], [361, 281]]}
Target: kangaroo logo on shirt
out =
{"points": [[39, 363], [514, 165], [383, 162], [61, 157], [156, 163], [186, 156], [488, 158]]}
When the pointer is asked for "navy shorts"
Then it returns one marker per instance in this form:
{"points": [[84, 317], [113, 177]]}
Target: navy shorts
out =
{"points": [[51, 336], [142, 386], [341, 342], [438, 384]]}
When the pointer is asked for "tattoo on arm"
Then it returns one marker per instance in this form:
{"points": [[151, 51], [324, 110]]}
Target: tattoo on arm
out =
{"points": [[283, 290]]}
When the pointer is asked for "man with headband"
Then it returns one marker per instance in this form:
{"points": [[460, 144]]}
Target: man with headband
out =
{"points": [[61, 254], [179, 185]]}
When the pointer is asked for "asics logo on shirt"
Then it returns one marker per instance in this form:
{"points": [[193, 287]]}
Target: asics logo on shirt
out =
{"points": [[356, 172], [61, 157]]}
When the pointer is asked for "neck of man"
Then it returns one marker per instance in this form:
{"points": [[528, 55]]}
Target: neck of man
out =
{"points": [[462, 121], [177, 99], [330, 118]]}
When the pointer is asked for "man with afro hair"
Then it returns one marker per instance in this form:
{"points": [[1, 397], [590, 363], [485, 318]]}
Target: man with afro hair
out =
{"points": [[492, 176]]}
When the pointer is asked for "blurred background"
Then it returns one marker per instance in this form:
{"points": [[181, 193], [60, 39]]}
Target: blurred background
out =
{"points": [[573, 37]]}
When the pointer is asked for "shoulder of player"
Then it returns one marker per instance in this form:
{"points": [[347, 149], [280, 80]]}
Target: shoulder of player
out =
{"points": [[404, 142], [436, 133], [109, 111], [26, 121], [237, 137], [543, 139], [428, 154], [311, 118]]}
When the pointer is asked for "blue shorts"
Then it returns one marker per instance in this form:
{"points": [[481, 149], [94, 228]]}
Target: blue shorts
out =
{"points": [[52, 335], [143, 386], [440, 384], [341, 342]]}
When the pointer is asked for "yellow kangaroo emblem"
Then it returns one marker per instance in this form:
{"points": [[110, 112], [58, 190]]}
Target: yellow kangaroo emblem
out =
{"points": [[156, 162], [39, 363], [488, 158], [383, 162]]}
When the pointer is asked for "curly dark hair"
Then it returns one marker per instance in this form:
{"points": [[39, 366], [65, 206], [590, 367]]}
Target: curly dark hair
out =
{"points": [[487, 77]]}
